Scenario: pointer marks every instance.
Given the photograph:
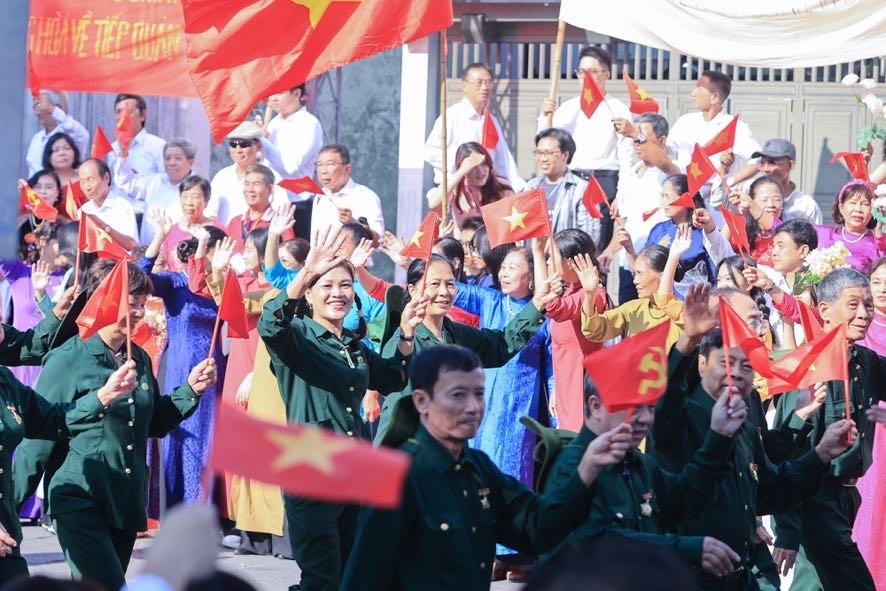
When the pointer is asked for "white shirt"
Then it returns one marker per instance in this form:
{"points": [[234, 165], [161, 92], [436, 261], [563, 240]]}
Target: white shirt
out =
{"points": [[145, 158], [691, 129], [115, 212], [293, 144], [465, 124], [597, 146], [639, 192], [66, 124], [800, 206], [155, 191], [227, 201], [361, 200]]}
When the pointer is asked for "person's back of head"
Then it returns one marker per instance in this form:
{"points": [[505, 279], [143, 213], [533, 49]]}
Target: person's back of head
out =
{"points": [[44, 583]]}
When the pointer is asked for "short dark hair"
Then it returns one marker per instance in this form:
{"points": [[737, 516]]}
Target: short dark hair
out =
{"points": [[659, 124], [298, 248], [598, 53], [47, 149], [572, 242], [139, 282], [259, 240], [140, 103], [426, 367], [712, 340], [357, 232], [680, 183], [339, 149], [103, 168], [720, 81], [476, 66], [453, 249], [416, 269], [195, 180], [300, 87], [657, 257], [187, 248], [267, 173], [589, 389], [563, 137], [800, 231], [850, 189], [35, 178]]}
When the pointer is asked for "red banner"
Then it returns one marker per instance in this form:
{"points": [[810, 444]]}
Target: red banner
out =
{"points": [[135, 46]]}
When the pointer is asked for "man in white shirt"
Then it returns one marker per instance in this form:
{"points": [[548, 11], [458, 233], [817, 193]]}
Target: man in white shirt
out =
{"points": [[464, 123], [50, 108], [343, 201], [145, 153], [159, 191], [639, 191], [777, 159], [293, 138], [115, 213], [599, 150]]}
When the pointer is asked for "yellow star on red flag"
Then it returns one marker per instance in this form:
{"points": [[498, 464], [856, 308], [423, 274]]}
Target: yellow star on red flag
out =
{"points": [[317, 8], [309, 447], [694, 170], [643, 94], [515, 219], [416, 238]]}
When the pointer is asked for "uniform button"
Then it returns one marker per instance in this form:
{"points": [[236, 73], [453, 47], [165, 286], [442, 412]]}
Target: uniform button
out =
{"points": [[129, 447], [745, 507], [862, 436], [1, 448], [131, 401], [739, 474], [403, 363], [1, 495], [348, 409], [457, 467], [855, 379], [464, 492], [619, 515], [101, 415], [482, 565], [1, 470], [127, 470], [130, 423], [342, 351], [473, 529], [350, 433], [351, 389], [444, 527]]}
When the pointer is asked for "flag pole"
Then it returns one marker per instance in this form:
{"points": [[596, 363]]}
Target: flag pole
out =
{"points": [[217, 323], [444, 169], [630, 414], [76, 270], [555, 66], [125, 296]]}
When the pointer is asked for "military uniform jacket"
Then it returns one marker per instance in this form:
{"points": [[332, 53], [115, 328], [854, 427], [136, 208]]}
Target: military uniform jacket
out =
{"points": [[323, 378], [106, 467], [637, 499], [453, 513], [754, 487]]}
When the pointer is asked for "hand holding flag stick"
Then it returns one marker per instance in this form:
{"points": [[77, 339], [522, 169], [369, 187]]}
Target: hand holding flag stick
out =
{"points": [[230, 308], [444, 165]]}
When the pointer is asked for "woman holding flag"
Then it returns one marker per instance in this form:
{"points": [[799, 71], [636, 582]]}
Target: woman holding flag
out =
{"points": [[323, 370]]}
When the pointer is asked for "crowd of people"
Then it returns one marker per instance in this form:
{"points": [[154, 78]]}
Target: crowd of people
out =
{"points": [[445, 365]]}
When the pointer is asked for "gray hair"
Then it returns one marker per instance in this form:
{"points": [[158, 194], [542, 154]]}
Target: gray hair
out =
{"points": [[186, 146], [833, 284], [263, 170], [57, 98], [659, 123]]}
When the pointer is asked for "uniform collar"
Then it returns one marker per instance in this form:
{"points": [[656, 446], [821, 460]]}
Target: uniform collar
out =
{"points": [[438, 456], [321, 332], [424, 334]]}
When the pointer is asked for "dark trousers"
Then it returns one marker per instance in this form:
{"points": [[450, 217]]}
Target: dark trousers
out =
{"points": [[740, 580], [627, 291], [93, 550], [608, 180], [826, 538], [12, 567], [321, 535]]}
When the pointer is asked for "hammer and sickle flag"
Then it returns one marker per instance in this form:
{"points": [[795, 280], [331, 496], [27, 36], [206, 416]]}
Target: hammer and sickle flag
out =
{"points": [[633, 372]]}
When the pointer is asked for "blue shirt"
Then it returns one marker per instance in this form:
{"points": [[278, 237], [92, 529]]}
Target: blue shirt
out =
{"points": [[663, 233]]}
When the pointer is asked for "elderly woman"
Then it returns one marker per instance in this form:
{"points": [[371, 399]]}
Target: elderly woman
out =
{"points": [[62, 156], [193, 196], [854, 225]]}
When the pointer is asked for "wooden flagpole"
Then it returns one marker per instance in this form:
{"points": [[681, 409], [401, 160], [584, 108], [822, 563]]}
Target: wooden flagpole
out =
{"points": [[555, 66], [444, 181]]}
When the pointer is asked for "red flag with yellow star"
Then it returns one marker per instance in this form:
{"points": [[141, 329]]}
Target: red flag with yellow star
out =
{"points": [[33, 80], [307, 461], [94, 238], [241, 51], [124, 132], [29, 200], [517, 217], [108, 304], [812, 327], [304, 184], [72, 200], [699, 171], [490, 133], [591, 96], [820, 360], [633, 372], [101, 147], [856, 164], [421, 243], [722, 141], [231, 308], [641, 101], [684, 200], [593, 197], [738, 232]]}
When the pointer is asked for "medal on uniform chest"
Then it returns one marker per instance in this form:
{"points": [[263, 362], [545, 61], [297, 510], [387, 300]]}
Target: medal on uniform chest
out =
{"points": [[646, 505], [484, 498], [14, 413], [753, 468]]}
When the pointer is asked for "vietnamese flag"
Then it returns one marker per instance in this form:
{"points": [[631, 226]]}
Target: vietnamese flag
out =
{"points": [[820, 360], [724, 140], [684, 200], [736, 333], [593, 197], [856, 164], [33, 80], [812, 327], [699, 171], [231, 308], [240, 51], [490, 133], [633, 372], [421, 243], [108, 304], [94, 238], [737, 230], [307, 461], [591, 96], [124, 132], [641, 101], [38, 207], [303, 184], [517, 217], [101, 147], [72, 200]]}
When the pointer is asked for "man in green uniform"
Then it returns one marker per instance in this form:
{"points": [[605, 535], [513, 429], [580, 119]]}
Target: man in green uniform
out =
{"points": [[822, 525], [637, 499], [456, 504], [755, 486]]}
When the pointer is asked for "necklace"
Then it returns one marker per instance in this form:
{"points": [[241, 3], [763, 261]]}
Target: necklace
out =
{"points": [[843, 234], [511, 313]]}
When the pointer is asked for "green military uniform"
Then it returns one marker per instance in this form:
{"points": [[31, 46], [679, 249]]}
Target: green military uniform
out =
{"points": [[98, 496], [637, 499], [823, 524], [494, 347], [452, 514], [322, 380], [754, 487]]}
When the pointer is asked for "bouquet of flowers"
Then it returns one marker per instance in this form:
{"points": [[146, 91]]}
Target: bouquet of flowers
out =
{"points": [[877, 129], [819, 263]]}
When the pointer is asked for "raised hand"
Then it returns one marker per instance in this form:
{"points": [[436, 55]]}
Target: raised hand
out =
{"points": [[740, 200], [698, 318], [121, 382], [283, 220], [605, 450], [682, 241], [221, 258], [728, 414], [473, 160], [362, 253], [703, 220], [413, 315], [391, 246], [346, 216], [544, 294], [756, 278], [810, 400], [587, 272], [448, 229], [203, 376], [548, 105], [160, 221], [40, 278], [64, 302], [326, 252]]}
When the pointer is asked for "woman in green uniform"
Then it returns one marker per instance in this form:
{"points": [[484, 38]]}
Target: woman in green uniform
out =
{"points": [[323, 370], [99, 494]]}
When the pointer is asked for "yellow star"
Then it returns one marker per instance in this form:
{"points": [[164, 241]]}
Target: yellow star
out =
{"points": [[642, 93], [588, 95], [416, 238], [103, 236], [310, 447], [317, 8], [516, 219], [812, 367], [694, 170]]}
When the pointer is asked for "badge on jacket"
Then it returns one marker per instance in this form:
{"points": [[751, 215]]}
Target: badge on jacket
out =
{"points": [[15, 414]]}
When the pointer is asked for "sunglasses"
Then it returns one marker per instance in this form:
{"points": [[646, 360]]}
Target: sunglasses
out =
{"points": [[240, 143]]}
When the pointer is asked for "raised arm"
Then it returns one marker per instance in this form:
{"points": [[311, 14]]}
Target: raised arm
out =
{"points": [[680, 246]]}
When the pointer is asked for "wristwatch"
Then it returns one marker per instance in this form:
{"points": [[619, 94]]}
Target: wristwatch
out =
{"points": [[406, 339]]}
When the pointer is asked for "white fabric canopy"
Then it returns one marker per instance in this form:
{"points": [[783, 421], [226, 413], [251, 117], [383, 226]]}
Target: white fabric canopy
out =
{"points": [[764, 33]]}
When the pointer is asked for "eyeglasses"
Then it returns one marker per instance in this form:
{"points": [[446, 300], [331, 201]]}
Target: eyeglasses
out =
{"points": [[545, 153], [580, 72], [480, 83], [240, 143], [328, 164]]}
